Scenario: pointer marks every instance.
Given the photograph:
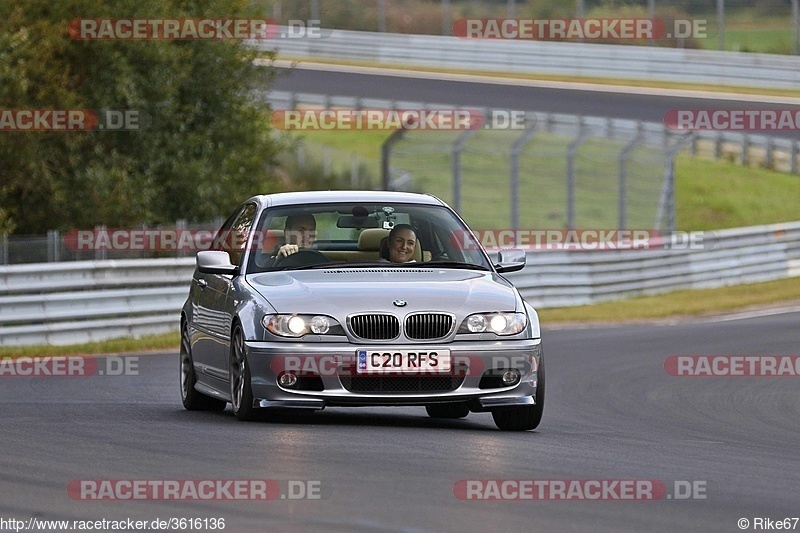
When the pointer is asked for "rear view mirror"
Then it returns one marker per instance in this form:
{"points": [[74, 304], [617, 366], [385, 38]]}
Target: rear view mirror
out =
{"points": [[350, 221]]}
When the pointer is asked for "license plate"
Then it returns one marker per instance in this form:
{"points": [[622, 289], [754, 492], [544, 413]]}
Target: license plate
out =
{"points": [[383, 360]]}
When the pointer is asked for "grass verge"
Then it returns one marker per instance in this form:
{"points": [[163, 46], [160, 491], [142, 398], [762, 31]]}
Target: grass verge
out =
{"points": [[165, 341], [684, 303]]}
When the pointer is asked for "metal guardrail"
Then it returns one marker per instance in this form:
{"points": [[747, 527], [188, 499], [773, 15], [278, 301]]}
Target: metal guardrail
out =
{"points": [[69, 303], [82, 301], [553, 58]]}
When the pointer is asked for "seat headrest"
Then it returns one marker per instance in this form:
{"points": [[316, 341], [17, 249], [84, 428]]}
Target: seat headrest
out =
{"points": [[370, 239]]}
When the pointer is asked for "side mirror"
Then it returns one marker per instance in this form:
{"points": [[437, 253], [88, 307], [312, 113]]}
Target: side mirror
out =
{"points": [[510, 260], [215, 262]]}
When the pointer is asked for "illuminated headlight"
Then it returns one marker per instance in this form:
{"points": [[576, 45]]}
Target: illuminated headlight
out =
{"points": [[299, 325], [497, 323]]}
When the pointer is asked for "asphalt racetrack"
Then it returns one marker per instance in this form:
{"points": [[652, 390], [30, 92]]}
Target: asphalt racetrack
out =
{"points": [[616, 102], [612, 413]]}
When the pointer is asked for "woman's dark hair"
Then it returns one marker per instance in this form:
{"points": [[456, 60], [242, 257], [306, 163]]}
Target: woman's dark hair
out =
{"points": [[397, 227]]}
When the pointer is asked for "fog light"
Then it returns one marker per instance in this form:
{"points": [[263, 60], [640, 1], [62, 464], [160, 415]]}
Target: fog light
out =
{"points": [[510, 377], [287, 380]]}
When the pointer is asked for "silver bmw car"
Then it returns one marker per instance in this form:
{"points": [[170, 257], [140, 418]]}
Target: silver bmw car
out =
{"points": [[358, 298]]}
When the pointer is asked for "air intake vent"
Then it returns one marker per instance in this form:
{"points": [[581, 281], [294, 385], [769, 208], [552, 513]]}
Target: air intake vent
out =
{"points": [[375, 327], [428, 326]]}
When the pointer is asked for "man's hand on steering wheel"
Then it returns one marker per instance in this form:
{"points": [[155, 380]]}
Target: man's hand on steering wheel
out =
{"points": [[286, 250]]}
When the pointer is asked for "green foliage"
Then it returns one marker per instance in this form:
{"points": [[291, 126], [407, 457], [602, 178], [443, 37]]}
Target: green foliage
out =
{"points": [[205, 144]]}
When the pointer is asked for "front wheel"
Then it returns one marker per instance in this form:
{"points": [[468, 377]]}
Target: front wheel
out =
{"points": [[524, 417], [241, 391], [192, 399]]}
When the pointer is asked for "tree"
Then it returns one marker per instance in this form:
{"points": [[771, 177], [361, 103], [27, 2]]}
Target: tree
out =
{"points": [[205, 142]]}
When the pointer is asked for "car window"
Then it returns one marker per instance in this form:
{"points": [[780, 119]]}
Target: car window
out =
{"points": [[233, 235]]}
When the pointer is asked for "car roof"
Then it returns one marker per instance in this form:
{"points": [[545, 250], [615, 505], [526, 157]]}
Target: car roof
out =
{"points": [[322, 197]]}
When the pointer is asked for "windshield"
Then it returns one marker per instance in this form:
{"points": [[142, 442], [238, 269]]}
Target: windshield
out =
{"points": [[361, 234]]}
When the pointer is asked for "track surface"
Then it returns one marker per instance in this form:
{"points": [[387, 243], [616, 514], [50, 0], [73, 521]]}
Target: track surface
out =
{"points": [[555, 100], [611, 412]]}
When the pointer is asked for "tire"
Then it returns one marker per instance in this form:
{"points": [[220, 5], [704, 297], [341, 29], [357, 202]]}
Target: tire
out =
{"points": [[447, 410], [525, 417], [192, 399], [241, 390]]}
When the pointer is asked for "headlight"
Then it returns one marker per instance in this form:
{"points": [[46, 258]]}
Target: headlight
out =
{"points": [[498, 323], [299, 325]]}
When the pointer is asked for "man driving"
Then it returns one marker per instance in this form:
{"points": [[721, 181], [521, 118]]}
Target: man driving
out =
{"points": [[299, 232]]}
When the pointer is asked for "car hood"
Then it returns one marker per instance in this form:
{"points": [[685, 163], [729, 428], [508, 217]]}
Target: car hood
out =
{"points": [[340, 292]]}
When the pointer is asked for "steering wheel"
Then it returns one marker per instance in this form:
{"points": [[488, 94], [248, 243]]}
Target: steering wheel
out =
{"points": [[300, 258]]}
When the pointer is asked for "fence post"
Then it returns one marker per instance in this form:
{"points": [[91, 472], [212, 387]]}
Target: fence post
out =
{"points": [[572, 150], [651, 14], [795, 26], [382, 16], [516, 148], [446, 25], [721, 24], [622, 222], [180, 227], [354, 164], [100, 252], [793, 162], [458, 146], [314, 9], [666, 202], [386, 152], [52, 246], [326, 161], [768, 152], [5, 248], [745, 146]]}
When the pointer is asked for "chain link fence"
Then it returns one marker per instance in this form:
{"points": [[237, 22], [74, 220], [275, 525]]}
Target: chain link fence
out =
{"points": [[562, 171]]}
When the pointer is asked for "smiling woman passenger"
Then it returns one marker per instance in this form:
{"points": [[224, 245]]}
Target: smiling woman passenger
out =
{"points": [[402, 241]]}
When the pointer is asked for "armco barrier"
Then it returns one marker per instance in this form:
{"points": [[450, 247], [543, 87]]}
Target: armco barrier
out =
{"points": [[552, 58], [82, 301], [67, 303]]}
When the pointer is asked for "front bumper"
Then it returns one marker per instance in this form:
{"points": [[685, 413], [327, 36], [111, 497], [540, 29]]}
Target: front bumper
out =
{"points": [[331, 366]]}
